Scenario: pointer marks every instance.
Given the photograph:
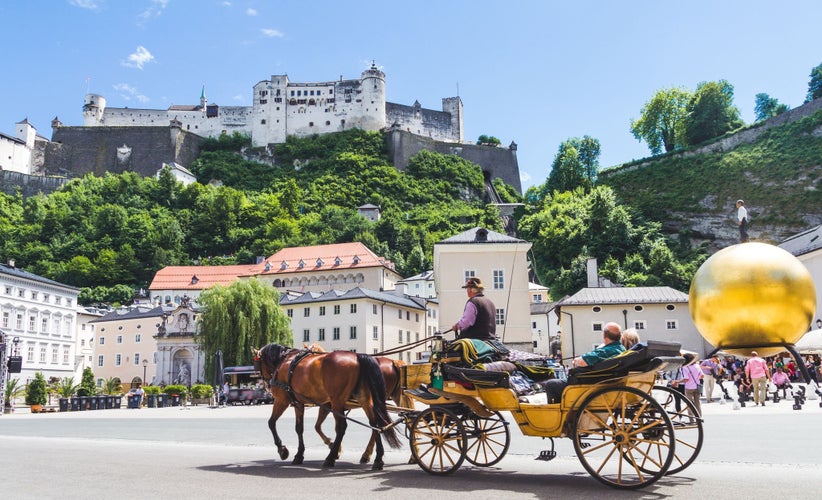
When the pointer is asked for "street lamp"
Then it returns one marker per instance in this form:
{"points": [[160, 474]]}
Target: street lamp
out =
{"points": [[145, 365]]}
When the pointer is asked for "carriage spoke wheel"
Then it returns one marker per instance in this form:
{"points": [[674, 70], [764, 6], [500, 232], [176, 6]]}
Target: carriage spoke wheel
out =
{"points": [[438, 441], [687, 426], [623, 437], [487, 439]]}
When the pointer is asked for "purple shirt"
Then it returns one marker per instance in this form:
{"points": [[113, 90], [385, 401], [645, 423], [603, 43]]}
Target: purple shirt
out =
{"points": [[469, 316], [692, 374]]}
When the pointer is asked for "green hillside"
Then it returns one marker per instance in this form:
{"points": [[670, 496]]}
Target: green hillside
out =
{"points": [[692, 192]]}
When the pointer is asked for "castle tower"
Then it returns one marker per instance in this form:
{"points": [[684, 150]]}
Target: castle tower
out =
{"points": [[26, 133], [268, 114], [93, 109], [373, 98], [203, 100], [453, 105]]}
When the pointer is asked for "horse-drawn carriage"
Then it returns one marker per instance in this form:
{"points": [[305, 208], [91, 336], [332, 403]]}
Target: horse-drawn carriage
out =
{"points": [[627, 432]]}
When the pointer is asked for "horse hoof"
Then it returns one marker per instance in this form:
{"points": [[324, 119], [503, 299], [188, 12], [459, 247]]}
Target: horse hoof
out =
{"points": [[297, 461], [283, 453], [328, 463], [364, 459], [377, 466]]}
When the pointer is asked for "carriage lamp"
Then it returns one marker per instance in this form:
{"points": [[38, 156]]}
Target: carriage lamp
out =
{"points": [[436, 345]]}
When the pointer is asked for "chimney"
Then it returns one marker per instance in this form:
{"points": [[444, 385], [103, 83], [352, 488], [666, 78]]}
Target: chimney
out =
{"points": [[11, 263], [593, 279]]}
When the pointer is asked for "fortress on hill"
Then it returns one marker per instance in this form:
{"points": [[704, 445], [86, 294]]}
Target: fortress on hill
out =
{"points": [[125, 139], [281, 108]]}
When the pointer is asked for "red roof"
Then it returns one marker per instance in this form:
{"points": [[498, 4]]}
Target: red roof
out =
{"points": [[331, 257], [198, 277]]}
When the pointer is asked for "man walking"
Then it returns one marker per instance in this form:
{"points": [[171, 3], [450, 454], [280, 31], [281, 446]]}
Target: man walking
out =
{"points": [[757, 372]]}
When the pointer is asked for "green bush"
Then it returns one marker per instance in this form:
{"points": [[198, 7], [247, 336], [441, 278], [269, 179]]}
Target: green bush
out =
{"points": [[66, 387], [176, 389], [152, 389], [201, 391], [36, 390]]}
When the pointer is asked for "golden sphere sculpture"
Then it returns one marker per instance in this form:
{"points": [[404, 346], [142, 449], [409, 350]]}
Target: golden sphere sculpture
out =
{"points": [[749, 295]]}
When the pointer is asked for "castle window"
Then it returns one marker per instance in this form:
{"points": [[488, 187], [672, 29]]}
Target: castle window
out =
{"points": [[299, 93], [263, 101], [330, 91], [342, 122], [312, 92], [310, 124], [327, 122], [262, 122]]}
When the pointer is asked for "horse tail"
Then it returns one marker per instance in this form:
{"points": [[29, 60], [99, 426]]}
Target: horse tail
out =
{"points": [[371, 375]]}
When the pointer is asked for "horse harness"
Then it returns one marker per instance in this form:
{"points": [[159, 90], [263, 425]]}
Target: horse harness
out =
{"points": [[286, 386]]}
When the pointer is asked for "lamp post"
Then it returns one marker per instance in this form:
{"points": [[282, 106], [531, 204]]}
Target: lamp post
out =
{"points": [[145, 365]]}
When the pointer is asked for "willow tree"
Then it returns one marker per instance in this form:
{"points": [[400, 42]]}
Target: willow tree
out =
{"points": [[238, 317]]}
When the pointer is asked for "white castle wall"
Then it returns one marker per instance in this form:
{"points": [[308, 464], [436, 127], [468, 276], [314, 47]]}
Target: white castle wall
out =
{"points": [[281, 108]]}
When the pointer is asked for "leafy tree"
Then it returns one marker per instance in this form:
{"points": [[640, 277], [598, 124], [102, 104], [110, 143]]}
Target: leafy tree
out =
{"points": [[662, 120], [711, 112], [66, 387], [567, 170], [815, 84], [87, 385], [112, 385], [36, 390], [768, 107], [238, 317], [486, 140]]}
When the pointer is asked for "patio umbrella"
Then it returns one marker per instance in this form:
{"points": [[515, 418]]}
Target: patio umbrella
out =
{"points": [[219, 375], [810, 343]]}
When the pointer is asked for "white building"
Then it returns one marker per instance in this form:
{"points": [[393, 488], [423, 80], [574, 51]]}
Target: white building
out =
{"points": [[421, 285], [17, 152], [86, 333], [283, 108], [361, 320], [41, 314], [807, 247], [501, 262], [657, 313]]}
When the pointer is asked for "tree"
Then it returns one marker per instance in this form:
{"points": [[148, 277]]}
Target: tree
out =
{"points": [[711, 112], [87, 385], [662, 120], [567, 170], [815, 84], [488, 140], [238, 317], [36, 390], [768, 107]]}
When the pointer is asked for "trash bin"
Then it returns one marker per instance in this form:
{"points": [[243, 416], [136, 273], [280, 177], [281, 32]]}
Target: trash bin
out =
{"points": [[64, 404], [75, 403], [152, 400], [109, 401], [175, 400], [83, 403], [92, 402], [132, 401], [116, 402], [162, 400]]}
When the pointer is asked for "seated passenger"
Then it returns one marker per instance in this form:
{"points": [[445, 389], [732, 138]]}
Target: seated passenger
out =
{"points": [[630, 338], [612, 346]]}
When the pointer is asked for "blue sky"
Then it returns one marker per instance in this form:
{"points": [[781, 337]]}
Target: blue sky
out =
{"points": [[533, 72]]}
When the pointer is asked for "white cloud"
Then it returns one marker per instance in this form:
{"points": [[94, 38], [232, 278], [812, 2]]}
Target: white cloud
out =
{"points": [[139, 58], [524, 176], [86, 4], [251, 12], [154, 10], [128, 93], [226, 4], [271, 33], [239, 97]]}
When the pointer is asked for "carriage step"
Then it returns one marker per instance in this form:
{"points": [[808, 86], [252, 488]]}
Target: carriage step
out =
{"points": [[422, 393], [546, 455]]}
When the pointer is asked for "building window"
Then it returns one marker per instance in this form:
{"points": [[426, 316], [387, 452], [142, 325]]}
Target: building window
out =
{"points": [[54, 355], [43, 354], [499, 279], [306, 335], [500, 316], [322, 310], [353, 308], [533, 325], [399, 313], [117, 359], [306, 312], [337, 309], [399, 338], [5, 323], [470, 273], [30, 354], [336, 333], [65, 355], [321, 334], [46, 298], [33, 295], [670, 307], [352, 334], [407, 315], [536, 298], [596, 309], [137, 338], [119, 339], [638, 308], [671, 324], [408, 337], [289, 313], [375, 333], [374, 308], [100, 360], [136, 359], [597, 327], [18, 324], [102, 341], [32, 319], [44, 326], [639, 325]]}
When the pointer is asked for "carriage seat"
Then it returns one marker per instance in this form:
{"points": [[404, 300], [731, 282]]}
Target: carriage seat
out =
{"points": [[640, 357], [483, 378]]}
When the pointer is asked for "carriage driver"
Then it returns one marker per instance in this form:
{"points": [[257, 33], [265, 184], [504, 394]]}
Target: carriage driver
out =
{"points": [[612, 346], [478, 320]]}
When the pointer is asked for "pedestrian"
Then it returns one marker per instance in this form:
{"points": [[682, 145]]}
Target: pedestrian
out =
{"points": [[478, 319], [612, 345], [691, 375], [138, 395], [712, 371], [756, 369], [742, 219]]}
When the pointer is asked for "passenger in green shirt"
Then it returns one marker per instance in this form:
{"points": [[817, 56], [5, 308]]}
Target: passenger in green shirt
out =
{"points": [[611, 346]]}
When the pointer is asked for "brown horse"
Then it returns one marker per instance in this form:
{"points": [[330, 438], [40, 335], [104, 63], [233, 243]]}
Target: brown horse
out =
{"points": [[390, 369], [297, 378]]}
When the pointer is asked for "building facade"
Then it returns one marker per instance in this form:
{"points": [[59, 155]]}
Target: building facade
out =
{"points": [[125, 346], [282, 108], [807, 247], [501, 262], [41, 314]]}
